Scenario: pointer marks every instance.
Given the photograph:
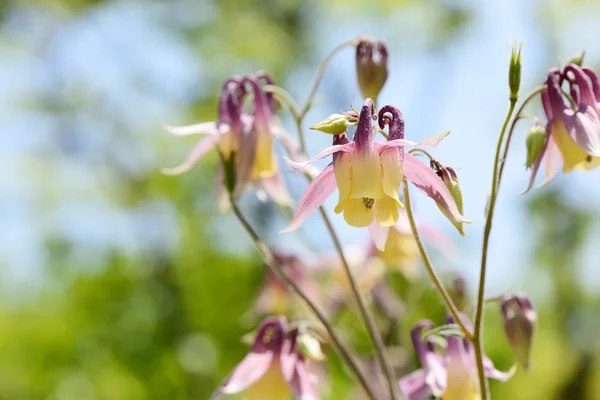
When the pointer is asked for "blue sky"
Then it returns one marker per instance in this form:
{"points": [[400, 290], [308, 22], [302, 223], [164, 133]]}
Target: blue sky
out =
{"points": [[461, 87]]}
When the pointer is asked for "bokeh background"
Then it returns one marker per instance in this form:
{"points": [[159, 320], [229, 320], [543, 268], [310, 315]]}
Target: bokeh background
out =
{"points": [[118, 282]]}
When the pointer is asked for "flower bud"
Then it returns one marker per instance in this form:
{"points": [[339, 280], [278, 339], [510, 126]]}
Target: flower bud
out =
{"points": [[371, 68], [578, 59], [450, 179], [458, 292], [334, 124], [514, 72], [519, 318], [309, 347], [535, 143]]}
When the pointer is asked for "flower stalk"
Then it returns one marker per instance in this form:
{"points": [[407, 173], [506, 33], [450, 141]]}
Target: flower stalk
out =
{"points": [[270, 261]]}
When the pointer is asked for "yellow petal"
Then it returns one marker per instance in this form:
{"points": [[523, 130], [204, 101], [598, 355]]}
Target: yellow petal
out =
{"points": [[386, 211], [271, 386], [227, 144], [342, 167], [392, 172], [571, 152], [366, 176], [264, 159], [358, 212], [589, 164]]}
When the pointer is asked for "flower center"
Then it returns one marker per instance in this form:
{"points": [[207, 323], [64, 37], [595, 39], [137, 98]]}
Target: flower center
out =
{"points": [[268, 335], [368, 202]]}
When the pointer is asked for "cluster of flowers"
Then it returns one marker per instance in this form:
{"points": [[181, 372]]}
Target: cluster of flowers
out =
{"points": [[368, 176]]}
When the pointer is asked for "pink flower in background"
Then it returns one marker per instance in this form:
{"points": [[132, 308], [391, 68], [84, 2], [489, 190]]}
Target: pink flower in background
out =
{"points": [[245, 142], [368, 174], [274, 369], [451, 375], [572, 136]]}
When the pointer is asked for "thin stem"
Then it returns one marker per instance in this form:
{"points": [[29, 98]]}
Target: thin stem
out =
{"points": [[511, 129], [284, 97], [374, 333], [483, 269], [269, 259], [423, 152], [319, 76], [432, 274]]}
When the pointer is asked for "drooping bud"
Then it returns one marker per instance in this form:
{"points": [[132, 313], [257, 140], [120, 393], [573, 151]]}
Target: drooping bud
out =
{"points": [[334, 124], [577, 59], [514, 72], [519, 318], [535, 143], [371, 66], [309, 347], [450, 179]]}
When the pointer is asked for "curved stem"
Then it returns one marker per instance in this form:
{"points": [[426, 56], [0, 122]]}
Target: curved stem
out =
{"points": [[319, 76], [423, 152], [269, 259], [432, 274], [374, 333], [483, 269], [284, 97], [511, 129]]}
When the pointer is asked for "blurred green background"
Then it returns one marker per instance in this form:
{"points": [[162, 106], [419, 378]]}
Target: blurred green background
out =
{"points": [[121, 283]]}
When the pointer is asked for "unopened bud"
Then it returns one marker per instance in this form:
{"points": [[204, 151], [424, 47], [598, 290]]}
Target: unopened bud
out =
{"points": [[334, 124], [458, 292], [450, 179], [514, 72], [371, 66], [309, 347], [578, 59], [535, 142], [519, 318]]}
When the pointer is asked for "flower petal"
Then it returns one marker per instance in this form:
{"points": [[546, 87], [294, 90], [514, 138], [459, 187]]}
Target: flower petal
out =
{"points": [[431, 184], [276, 189], [551, 162], [379, 235], [349, 147], [342, 166], [386, 211], [414, 386], [203, 128], [392, 161], [432, 141], [356, 212], [492, 372], [366, 176], [301, 385], [201, 148], [314, 196], [584, 128]]}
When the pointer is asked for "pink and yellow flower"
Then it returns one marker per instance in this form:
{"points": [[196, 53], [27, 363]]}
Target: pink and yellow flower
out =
{"points": [[368, 174], [245, 141], [572, 136], [274, 369]]}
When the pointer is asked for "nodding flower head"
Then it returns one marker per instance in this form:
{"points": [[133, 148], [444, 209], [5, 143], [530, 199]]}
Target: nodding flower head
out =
{"points": [[520, 319], [368, 174], [572, 135], [264, 160], [451, 374], [274, 369], [371, 66]]}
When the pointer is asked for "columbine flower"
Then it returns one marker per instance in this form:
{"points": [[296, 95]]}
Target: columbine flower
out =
{"points": [[451, 376], [572, 136], [244, 142], [274, 369], [368, 174]]}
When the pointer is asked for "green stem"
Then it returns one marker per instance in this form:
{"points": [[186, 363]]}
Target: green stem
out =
{"points": [[483, 269], [319, 76], [511, 129], [374, 333], [269, 259], [432, 274]]}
